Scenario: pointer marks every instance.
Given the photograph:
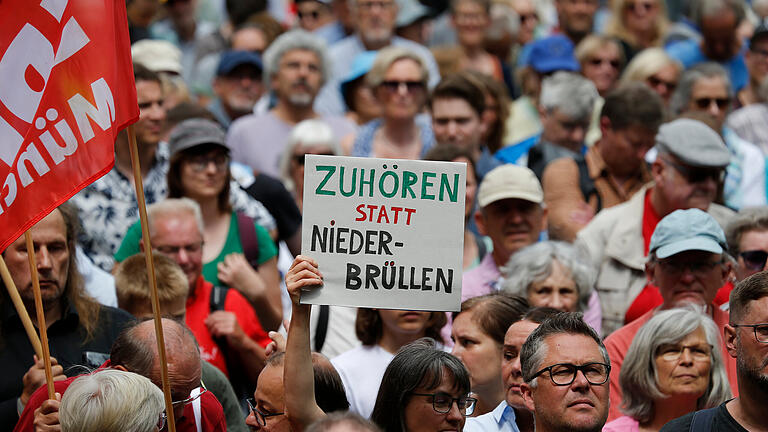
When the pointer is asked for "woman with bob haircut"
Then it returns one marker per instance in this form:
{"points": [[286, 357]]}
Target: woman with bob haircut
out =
{"points": [[671, 369], [656, 69], [478, 338], [554, 274], [638, 24], [398, 78], [423, 389]]}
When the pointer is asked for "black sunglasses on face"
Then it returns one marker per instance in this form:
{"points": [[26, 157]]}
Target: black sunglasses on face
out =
{"points": [[754, 260], [697, 174], [411, 86], [704, 103]]}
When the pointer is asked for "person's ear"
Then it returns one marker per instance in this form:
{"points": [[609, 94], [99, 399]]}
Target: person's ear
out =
{"points": [[544, 220], [657, 170], [119, 367], [650, 265], [730, 336], [480, 222], [527, 393], [605, 125]]}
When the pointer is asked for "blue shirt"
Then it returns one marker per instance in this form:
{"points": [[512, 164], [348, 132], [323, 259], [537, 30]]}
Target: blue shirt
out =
{"points": [[501, 419], [689, 53]]}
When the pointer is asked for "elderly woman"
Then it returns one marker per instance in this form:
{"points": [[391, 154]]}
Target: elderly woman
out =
{"points": [[655, 68], [398, 78], [671, 369], [112, 400], [478, 337], [308, 137], [424, 389], [601, 61], [557, 275], [638, 24]]}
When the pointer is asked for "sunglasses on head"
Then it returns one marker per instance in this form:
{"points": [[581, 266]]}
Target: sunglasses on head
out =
{"points": [[754, 260], [704, 103]]}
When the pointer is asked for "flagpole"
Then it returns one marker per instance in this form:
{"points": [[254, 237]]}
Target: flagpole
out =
{"points": [[20, 308], [151, 275], [41, 325]]}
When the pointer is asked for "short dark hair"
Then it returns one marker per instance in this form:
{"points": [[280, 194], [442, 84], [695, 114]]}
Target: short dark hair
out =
{"points": [[142, 73], [534, 350], [418, 364], [460, 86], [173, 178], [369, 327], [633, 104], [752, 288], [450, 152], [494, 313]]}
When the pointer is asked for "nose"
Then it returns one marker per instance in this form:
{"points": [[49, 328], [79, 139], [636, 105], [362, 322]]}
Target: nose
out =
{"points": [[713, 109], [43, 258], [686, 358], [515, 367], [457, 350], [556, 302], [454, 414], [578, 133], [182, 257], [452, 129], [251, 421], [580, 382]]}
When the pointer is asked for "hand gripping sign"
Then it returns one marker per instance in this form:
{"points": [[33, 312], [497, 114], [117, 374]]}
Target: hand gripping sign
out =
{"points": [[66, 90], [386, 233]]}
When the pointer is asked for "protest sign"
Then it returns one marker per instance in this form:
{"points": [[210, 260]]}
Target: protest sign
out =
{"points": [[386, 233], [67, 90]]}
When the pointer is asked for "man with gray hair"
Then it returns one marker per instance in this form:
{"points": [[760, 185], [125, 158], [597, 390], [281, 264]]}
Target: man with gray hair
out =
{"points": [[718, 21], [686, 175], [565, 108], [295, 67], [561, 398], [688, 263], [704, 92]]}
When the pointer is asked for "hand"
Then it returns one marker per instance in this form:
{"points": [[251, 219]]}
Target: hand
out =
{"points": [[35, 377], [236, 272], [223, 324], [302, 274], [277, 345], [47, 416]]}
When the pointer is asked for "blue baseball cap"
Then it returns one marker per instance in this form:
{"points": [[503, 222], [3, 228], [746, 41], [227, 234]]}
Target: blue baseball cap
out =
{"points": [[684, 230], [360, 66], [231, 59], [551, 54]]}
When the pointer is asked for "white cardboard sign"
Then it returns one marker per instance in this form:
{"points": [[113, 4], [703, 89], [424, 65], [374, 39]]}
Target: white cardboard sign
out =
{"points": [[386, 233]]}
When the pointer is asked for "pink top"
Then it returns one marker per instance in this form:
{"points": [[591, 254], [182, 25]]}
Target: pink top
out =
{"points": [[622, 424]]}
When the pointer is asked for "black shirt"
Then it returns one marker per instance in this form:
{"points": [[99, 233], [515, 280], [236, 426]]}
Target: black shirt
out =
{"points": [[722, 421], [65, 338]]}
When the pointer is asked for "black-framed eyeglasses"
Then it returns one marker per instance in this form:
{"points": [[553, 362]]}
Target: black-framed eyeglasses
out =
{"points": [[761, 331], [563, 374], [754, 260], [171, 250], [191, 399], [697, 174], [699, 269], [261, 417], [200, 163], [442, 403], [410, 86]]}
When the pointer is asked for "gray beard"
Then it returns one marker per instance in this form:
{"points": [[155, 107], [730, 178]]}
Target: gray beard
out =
{"points": [[301, 100]]}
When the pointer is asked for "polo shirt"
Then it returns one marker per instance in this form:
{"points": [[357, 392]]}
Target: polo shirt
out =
{"points": [[65, 341]]}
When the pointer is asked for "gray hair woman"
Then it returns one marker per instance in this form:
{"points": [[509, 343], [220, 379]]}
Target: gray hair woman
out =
{"points": [[673, 367], [553, 274]]}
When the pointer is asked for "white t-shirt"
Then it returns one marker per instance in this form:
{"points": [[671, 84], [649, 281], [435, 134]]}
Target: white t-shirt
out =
{"points": [[361, 370]]}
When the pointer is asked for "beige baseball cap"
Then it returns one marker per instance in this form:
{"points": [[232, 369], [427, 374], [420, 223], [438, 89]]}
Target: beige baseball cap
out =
{"points": [[509, 181]]}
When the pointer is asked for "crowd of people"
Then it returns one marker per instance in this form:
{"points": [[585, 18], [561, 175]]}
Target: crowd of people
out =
{"points": [[615, 240]]}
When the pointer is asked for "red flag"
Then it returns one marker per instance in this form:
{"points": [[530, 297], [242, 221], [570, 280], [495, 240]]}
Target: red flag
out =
{"points": [[66, 90]]}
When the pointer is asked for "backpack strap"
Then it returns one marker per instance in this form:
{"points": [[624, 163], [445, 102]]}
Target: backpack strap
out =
{"points": [[702, 420], [248, 238], [322, 327], [587, 185]]}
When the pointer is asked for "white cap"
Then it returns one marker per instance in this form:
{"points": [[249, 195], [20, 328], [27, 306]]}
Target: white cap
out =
{"points": [[510, 181]]}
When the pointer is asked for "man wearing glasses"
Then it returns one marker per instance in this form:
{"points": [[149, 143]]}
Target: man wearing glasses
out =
{"points": [[686, 173], [746, 338], [688, 263], [565, 367]]}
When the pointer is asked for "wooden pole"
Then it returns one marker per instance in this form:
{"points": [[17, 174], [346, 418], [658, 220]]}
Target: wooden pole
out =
{"points": [[41, 325], [20, 308], [152, 279]]}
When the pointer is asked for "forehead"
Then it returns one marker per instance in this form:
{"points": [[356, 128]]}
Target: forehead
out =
{"points": [[50, 229], [709, 86], [300, 55], [518, 332], [756, 311], [180, 226], [571, 348], [452, 108], [407, 67], [691, 255], [754, 240], [148, 90], [508, 205], [269, 387]]}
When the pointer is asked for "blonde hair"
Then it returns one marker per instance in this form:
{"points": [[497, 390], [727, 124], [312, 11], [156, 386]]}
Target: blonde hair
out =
{"points": [[617, 27], [386, 57], [593, 44], [132, 284], [647, 63]]}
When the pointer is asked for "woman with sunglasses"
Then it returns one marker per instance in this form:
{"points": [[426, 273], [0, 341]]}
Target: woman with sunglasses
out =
{"points": [[638, 24], [601, 61], [308, 137], [656, 69], [398, 78], [671, 369], [747, 235]]}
